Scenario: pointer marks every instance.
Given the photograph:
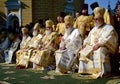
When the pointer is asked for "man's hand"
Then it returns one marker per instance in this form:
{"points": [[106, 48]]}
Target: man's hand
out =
{"points": [[62, 48], [97, 46], [82, 47]]}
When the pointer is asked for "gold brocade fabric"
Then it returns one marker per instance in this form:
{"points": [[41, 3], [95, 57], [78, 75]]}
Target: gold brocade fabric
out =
{"points": [[23, 58], [49, 41], [34, 42], [40, 57], [84, 24], [96, 36], [60, 28], [23, 43], [98, 61], [107, 18], [41, 30], [45, 56], [23, 55]]}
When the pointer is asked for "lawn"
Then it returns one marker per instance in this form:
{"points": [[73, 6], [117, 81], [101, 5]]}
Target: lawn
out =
{"points": [[10, 75]]}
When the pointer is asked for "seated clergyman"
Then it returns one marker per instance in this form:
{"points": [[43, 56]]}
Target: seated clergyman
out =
{"points": [[9, 53], [27, 51], [23, 44], [44, 56], [97, 47], [69, 45]]}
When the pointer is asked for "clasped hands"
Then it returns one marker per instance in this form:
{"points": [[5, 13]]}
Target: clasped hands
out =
{"points": [[63, 44], [96, 46]]}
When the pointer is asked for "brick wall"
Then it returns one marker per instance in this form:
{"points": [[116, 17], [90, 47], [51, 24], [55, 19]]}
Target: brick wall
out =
{"points": [[39, 9], [44, 9], [2, 13], [26, 11]]}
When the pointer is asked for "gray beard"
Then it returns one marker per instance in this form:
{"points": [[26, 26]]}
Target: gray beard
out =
{"points": [[97, 24], [35, 33], [24, 37], [48, 32], [68, 31]]}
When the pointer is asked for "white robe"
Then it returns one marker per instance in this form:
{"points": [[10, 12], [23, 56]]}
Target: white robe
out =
{"points": [[9, 53], [25, 55], [23, 45], [3, 46], [97, 62], [72, 44]]}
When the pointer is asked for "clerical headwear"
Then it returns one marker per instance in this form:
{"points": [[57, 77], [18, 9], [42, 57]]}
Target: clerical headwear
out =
{"points": [[84, 6], [24, 30], [99, 12], [40, 21], [49, 23], [68, 19], [94, 5], [62, 14], [36, 26]]}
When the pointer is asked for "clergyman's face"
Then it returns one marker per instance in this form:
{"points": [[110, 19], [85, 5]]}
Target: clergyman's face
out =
{"points": [[97, 21], [35, 32], [77, 14], [61, 19], [48, 30], [68, 26], [58, 19], [84, 11]]}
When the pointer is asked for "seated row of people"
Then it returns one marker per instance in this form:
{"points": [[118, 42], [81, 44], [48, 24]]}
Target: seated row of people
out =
{"points": [[9, 44], [91, 55], [94, 53], [47, 51], [40, 44]]}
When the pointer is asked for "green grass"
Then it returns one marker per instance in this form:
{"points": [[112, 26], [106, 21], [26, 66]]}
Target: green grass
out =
{"points": [[28, 76]]}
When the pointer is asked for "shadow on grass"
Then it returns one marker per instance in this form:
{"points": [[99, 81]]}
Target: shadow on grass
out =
{"points": [[9, 74]]}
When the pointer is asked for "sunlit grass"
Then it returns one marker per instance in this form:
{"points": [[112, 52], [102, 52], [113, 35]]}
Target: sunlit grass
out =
{"points": [[9, 74]]}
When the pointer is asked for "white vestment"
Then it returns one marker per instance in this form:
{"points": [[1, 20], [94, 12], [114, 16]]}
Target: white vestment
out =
{"points": [[9, 53], [3, 46], [97, 62], [23, 45], [72, 44], [26, 53]]}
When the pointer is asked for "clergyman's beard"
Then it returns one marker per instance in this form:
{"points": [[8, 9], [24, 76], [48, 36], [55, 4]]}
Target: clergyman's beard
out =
{"points": [[68, 31], [97, 24], [35, 33], [48, 32], [24, 37]]}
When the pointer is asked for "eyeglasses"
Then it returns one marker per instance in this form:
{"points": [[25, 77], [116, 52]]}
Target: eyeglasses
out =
{"points": [[96, 18]]}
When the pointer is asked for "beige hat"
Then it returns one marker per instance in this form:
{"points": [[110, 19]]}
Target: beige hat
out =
{"points": [[37, 26], [68, 19], [24, 30], [49, 23], [99, 11]]}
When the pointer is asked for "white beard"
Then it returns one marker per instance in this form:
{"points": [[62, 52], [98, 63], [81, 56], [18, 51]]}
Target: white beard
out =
{"points": [[35, 33], [48, 32], [97, 24], [68, 31], [24, 37]]}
